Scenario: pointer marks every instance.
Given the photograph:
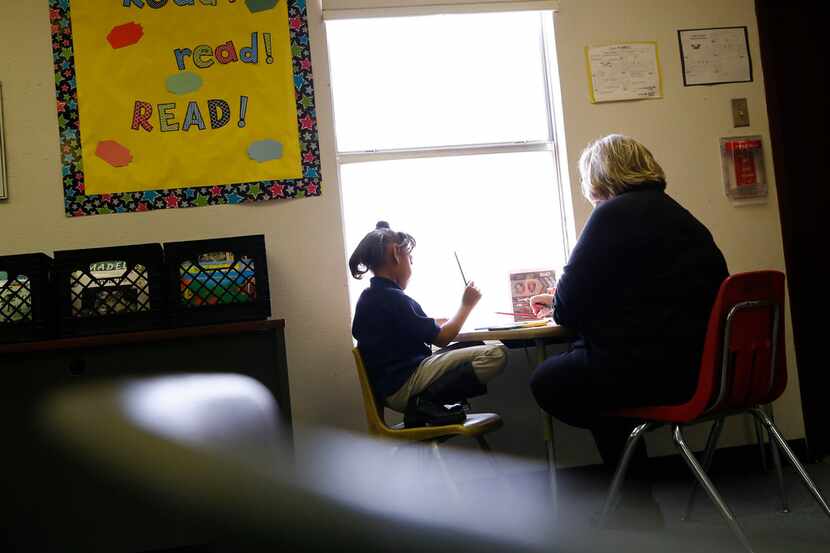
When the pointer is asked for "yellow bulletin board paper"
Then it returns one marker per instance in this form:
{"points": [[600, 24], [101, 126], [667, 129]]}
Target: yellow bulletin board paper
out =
{"points": [[183, 102], [624, 71]]}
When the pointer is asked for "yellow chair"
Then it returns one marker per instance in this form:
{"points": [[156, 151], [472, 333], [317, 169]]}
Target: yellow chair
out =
{"points": [[476, 425]]}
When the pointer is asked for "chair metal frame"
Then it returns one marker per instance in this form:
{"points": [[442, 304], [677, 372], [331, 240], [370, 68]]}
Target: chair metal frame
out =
{"points": [[475, 426], [715, 413]]}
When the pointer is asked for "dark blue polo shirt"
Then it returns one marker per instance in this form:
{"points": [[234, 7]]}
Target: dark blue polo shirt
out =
{"points": [[393, 334]]}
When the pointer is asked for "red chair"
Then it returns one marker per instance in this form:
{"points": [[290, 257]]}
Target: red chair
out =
{"points": [[743, 367]]}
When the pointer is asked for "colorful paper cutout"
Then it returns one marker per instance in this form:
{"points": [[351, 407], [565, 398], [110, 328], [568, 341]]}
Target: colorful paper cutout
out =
{"points": [[265, 150], [260, 5], [113, 153], [125, 35], [183, 83]]}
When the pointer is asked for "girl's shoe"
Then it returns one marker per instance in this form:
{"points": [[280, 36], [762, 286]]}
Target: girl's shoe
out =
{"points": [[421, 411]]}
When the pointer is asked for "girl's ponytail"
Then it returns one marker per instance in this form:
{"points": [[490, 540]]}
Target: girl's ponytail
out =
{"points": [[370, 253]]}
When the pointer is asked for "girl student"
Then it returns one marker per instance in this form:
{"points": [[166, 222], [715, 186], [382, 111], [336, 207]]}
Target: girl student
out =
{"points": [[394, 336]]}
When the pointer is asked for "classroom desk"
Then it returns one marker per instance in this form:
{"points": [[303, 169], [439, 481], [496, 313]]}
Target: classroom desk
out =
{"points": [[538, 337]]}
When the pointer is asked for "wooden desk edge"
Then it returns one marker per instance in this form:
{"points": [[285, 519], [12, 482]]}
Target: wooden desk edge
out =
{"points": [[531, 333], [143, 336]]}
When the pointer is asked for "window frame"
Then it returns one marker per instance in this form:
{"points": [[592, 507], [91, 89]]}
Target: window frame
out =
{"points": [[545, 11]]}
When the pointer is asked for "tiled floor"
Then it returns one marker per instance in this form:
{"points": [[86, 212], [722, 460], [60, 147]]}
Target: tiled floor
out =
{"points": [[658, 525]]}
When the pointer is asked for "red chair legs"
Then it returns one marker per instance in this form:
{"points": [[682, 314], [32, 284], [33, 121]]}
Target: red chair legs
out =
{"points": [[711, 444], [622, 468], [701, 476], [697, 470], [782, 443], [776, 439]]}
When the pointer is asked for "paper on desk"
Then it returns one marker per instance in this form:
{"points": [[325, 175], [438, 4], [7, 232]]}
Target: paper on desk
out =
{"points": [[510, 326]]}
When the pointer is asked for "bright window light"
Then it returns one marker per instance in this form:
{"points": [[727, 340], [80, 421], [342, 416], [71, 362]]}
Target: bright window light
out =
{"points": [[440, 80], [443, 130]]}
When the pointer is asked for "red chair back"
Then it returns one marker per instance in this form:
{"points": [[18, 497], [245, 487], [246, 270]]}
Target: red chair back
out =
{"points": [[744, 360]]}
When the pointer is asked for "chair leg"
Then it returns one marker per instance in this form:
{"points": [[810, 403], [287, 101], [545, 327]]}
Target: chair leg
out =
{"points": [[711, 444], [440, 460], [701, 476], [759, 437], [782, 443], [776, 460], [782, 491], [550, 450], [485, 447], [619, 475]]}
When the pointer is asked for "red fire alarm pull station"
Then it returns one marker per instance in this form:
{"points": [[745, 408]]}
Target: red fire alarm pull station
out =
{"points": [[742, 161]]}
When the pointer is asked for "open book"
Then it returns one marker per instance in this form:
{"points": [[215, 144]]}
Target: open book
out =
{"points": [[526, 284]]}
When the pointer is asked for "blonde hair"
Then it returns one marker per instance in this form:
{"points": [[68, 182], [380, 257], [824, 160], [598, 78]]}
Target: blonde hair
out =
{"points": [[615, 163]]}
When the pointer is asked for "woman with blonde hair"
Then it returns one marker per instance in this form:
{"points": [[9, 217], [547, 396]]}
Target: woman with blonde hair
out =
{"points": [[638, 289]]}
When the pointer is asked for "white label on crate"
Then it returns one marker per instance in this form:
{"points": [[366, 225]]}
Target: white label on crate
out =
{"points": [[108, 269]]}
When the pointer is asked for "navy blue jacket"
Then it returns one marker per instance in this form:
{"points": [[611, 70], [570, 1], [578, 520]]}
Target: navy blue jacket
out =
{"points": [[393, 335], [640, 284]]}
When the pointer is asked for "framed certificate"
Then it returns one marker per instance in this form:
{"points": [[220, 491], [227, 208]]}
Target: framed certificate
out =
{"points": [[715, 56]]}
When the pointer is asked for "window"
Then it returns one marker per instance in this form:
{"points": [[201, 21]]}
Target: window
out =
{"points": [[444, 128]]}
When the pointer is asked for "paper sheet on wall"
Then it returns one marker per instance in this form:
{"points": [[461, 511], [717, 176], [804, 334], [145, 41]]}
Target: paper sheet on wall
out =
{"points": [[3, 192], [625, 71], [713, 56]]}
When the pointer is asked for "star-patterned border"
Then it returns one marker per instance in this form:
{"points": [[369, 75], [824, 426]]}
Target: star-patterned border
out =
{"points": [[77, 203]]}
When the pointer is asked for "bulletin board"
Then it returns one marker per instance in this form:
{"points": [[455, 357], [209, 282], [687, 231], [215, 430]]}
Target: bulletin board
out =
{"points": [[183, 103]]}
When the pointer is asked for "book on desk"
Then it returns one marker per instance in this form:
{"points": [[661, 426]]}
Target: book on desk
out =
{"points": [[520, 324]]}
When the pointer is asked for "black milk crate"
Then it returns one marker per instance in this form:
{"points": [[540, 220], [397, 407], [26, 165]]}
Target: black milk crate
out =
{"points": [[112, 289], [217, 280], [27, 302]]}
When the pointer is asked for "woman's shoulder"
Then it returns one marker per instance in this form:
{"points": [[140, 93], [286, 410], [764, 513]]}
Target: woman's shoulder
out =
{"points": [[615, 210]]}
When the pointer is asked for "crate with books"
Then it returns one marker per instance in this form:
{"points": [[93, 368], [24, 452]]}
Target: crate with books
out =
{"points": [[110, 289], [26, 298], [217, 280]]}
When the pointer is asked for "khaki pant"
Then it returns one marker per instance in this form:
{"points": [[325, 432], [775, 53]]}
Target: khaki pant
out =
{"points": [[488, 362]]}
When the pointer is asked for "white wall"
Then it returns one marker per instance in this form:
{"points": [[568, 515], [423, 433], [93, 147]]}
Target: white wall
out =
{"points": [[682, 131], [304, 237], [305, 240]]}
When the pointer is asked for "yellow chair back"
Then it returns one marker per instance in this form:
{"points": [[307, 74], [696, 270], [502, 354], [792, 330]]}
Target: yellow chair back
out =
{"points": [[374, 412]]}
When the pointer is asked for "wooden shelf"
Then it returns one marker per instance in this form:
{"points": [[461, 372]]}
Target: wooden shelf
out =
{"points": [[85, 342]]}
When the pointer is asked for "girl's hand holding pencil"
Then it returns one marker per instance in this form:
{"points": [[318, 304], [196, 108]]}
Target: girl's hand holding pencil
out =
{"points": [[471, 295]]}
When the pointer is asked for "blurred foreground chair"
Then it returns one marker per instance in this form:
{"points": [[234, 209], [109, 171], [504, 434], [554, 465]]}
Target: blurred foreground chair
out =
{"points": [[476, 425], [212, 447], [743, 368], [209, 451]]}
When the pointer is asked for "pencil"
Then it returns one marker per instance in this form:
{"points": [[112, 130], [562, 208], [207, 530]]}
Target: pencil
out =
{"points": [[526, 315], [460, 269]]}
